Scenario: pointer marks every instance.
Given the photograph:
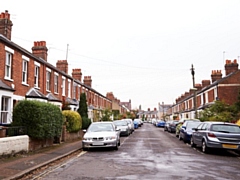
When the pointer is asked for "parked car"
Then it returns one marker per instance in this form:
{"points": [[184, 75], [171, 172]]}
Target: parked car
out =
{"points": [[181, 121], [153, 121], [123, 126], [172, 126], [130, 124], [185, 132], [167, 125], [160, 123], [139, 121], [219, 135], [101, 134]]}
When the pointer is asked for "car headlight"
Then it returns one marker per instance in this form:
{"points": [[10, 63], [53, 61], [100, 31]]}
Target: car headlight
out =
{"points": [[87, 139], [111, 138]]}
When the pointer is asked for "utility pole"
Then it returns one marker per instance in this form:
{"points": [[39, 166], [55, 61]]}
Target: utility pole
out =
{"points": [[195, 92], [163, 111], [67, 53]]}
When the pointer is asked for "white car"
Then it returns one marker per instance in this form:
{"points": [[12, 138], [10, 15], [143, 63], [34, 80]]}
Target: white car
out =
{"points": [[101, 134], [130, 123]]}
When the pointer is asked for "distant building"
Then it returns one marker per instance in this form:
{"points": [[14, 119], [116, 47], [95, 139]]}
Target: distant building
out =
{"points": [[218, 88]]}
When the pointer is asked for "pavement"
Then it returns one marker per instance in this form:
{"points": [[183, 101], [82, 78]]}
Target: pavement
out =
{"points": [[13, 168]]}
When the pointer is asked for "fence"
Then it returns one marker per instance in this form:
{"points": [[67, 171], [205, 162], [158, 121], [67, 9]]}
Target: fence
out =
{"points": [[16, 131]]}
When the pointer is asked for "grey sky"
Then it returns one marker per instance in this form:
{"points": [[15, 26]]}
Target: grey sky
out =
{"points": [[138, 49]]}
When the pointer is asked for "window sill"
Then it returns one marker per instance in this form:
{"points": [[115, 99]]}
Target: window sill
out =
{"points": [[8, 79], [25, 84]]}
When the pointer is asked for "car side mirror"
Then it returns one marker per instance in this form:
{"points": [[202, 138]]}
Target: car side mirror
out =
{"points": [[84, 130]]}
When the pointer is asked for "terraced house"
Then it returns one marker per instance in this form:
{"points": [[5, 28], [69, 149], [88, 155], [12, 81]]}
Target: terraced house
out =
{"points": [[218, 88], [28, 75]]}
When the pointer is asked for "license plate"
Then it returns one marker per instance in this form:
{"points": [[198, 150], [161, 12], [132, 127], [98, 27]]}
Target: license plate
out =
{"points": [[230, 146], [97, 143]]}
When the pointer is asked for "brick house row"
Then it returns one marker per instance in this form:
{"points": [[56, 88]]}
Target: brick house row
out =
{"points": [[218, 88], [28, 75]]}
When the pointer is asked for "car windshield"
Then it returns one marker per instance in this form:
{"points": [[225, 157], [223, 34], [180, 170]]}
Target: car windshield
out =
{"points": [[191, 125], [100, 127], [120, 123], [226, 128]]}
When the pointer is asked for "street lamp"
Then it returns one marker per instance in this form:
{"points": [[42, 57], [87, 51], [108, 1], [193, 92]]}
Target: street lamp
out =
{"points": [[195, 92]]}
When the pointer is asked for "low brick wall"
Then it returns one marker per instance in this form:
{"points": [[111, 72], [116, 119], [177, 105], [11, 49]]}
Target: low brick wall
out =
{"points": [[36, 144], [14, 145]]}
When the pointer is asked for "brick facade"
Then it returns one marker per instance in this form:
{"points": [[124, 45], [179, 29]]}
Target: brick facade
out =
{"points": [[13, 89], [222, 88]]}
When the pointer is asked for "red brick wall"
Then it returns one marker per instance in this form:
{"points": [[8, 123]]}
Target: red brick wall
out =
{"points": [[211, 97], [228, 94], [2, 60]]}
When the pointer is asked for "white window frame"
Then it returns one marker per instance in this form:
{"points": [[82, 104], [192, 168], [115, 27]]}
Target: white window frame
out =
{"points": [[36, 76], [69, 88], [24, 71], [48, 80], [5, 109], [55, 82], [8, 65], [63, 86]]}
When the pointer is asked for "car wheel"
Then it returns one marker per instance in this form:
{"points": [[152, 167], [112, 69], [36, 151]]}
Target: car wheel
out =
{"points": [[205, 149], [192, 143], [116, 147], [119, 143]]}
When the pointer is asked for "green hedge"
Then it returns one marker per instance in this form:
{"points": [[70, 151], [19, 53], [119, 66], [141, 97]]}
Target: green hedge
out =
{"points": [[43, 120], [73, 120]]}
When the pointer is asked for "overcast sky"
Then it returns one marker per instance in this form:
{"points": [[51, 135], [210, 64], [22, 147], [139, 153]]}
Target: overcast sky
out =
{"points": [[138, 49]]}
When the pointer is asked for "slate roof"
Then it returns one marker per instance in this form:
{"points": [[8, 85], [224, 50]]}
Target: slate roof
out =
{"points": [[72, 101], [5, 87], [52, 98], [34, 93]]}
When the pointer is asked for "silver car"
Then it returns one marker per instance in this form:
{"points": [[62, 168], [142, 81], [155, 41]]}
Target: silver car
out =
{"points": [[219, 135], [101, 134], [130, 124], [123, 126]]}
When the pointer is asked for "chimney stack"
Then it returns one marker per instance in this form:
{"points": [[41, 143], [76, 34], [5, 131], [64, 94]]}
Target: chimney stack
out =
{"points": [[87, 81], [40, 50], [231, 66], [216, 75], [6, 25], [205, 83], [110, 96], [62, 65], [77, 74]]}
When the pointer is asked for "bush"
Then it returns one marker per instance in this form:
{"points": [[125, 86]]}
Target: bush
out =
{"points": [[43, 120], [86, 122], [73, 120]]}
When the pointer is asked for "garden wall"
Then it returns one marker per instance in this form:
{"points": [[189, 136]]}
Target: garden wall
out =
{"points": [[14, 145]]}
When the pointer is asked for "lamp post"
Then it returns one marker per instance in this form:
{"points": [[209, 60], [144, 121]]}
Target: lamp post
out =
{"points": [[195, 92]]}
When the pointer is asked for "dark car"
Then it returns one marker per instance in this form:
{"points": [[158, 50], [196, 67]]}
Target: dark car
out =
{"points": [[218, 135], [180, 123], [185, 132], [172, 126]]}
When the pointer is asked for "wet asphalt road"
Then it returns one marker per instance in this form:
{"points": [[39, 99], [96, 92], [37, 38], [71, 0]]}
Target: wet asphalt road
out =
{"points": [[149, 154]]}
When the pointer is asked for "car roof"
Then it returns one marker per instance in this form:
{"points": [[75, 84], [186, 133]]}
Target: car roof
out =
{"points": [[220, 122], [102, 122]]}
